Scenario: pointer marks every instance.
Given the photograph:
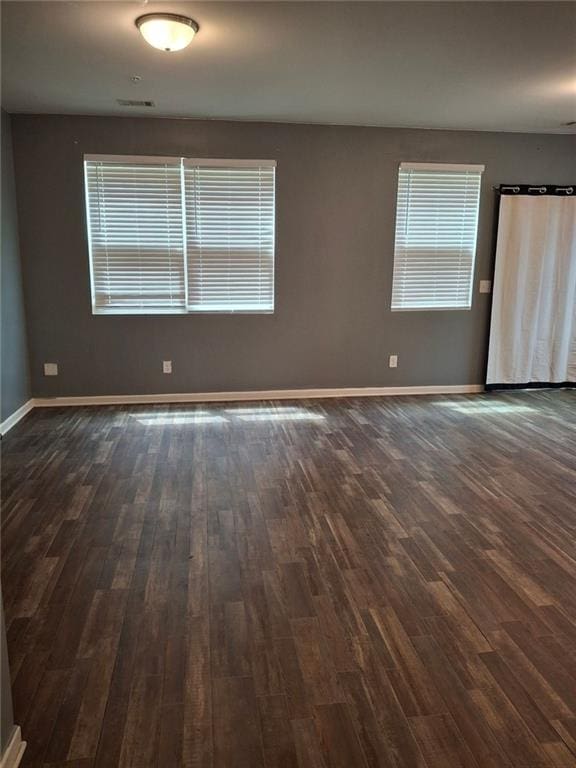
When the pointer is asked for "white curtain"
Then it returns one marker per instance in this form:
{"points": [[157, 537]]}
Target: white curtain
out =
{"points": [[533, 329]]}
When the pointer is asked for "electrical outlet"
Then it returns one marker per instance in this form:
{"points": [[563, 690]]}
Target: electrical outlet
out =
{"points": [[50, 369], [166, 366], [393, 361], [485, 286]]}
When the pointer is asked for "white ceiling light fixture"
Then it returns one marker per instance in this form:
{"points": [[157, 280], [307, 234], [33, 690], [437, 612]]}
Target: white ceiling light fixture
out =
{"points": [[167, 31]]}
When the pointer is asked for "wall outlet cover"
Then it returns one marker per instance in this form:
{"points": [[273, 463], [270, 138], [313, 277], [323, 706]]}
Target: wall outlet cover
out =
{"points": [[393, 361], [166, 366], [50, 369], [485, 286]]}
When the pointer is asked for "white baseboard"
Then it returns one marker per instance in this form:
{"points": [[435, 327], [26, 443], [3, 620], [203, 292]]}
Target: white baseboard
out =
{"points": [[8, 423], [265, 394], [14, 751]]}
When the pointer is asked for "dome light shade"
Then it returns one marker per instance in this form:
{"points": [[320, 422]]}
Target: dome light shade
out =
{"points": [[167, 31]]}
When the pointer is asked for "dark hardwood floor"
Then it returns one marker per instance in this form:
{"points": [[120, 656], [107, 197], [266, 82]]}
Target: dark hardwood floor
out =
{"points": [[333, 584]]}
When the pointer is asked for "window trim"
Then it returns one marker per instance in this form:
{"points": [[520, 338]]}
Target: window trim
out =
{"points": [[182, 162], [447, 167]]}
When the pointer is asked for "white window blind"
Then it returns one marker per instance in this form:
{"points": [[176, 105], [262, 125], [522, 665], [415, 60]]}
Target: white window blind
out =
{"points": [[173, 235], [230, 235], [436, 229], [134, 211]]}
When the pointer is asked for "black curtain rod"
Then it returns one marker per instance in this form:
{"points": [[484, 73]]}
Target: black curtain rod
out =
{"points": [[536, 189]]}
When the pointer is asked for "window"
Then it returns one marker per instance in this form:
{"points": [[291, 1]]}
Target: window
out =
{"points": [[436, 228], [172, 235], [229, 236]]}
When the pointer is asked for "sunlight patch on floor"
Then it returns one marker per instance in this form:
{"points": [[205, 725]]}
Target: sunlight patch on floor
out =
{"points": [[228, 416], [281, 413], [159, 420], [487, 408]]}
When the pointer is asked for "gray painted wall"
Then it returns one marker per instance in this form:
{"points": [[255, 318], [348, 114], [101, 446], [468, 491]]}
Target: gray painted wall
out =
{"points": [[6, 714], [14, 364], [15, 387], [336, 189]]}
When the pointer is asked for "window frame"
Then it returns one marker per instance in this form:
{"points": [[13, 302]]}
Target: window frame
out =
{"points": [[182, 162], [439, 167]]}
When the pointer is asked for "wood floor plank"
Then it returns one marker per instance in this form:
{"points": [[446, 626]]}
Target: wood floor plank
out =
{"points": [[307, 743], [382, 727], [277, 737], [338, 738], [441, 743], [370, 583], [237, 734]]}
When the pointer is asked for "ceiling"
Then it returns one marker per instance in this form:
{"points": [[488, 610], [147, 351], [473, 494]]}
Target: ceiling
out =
{"points": [[507, 66]]}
